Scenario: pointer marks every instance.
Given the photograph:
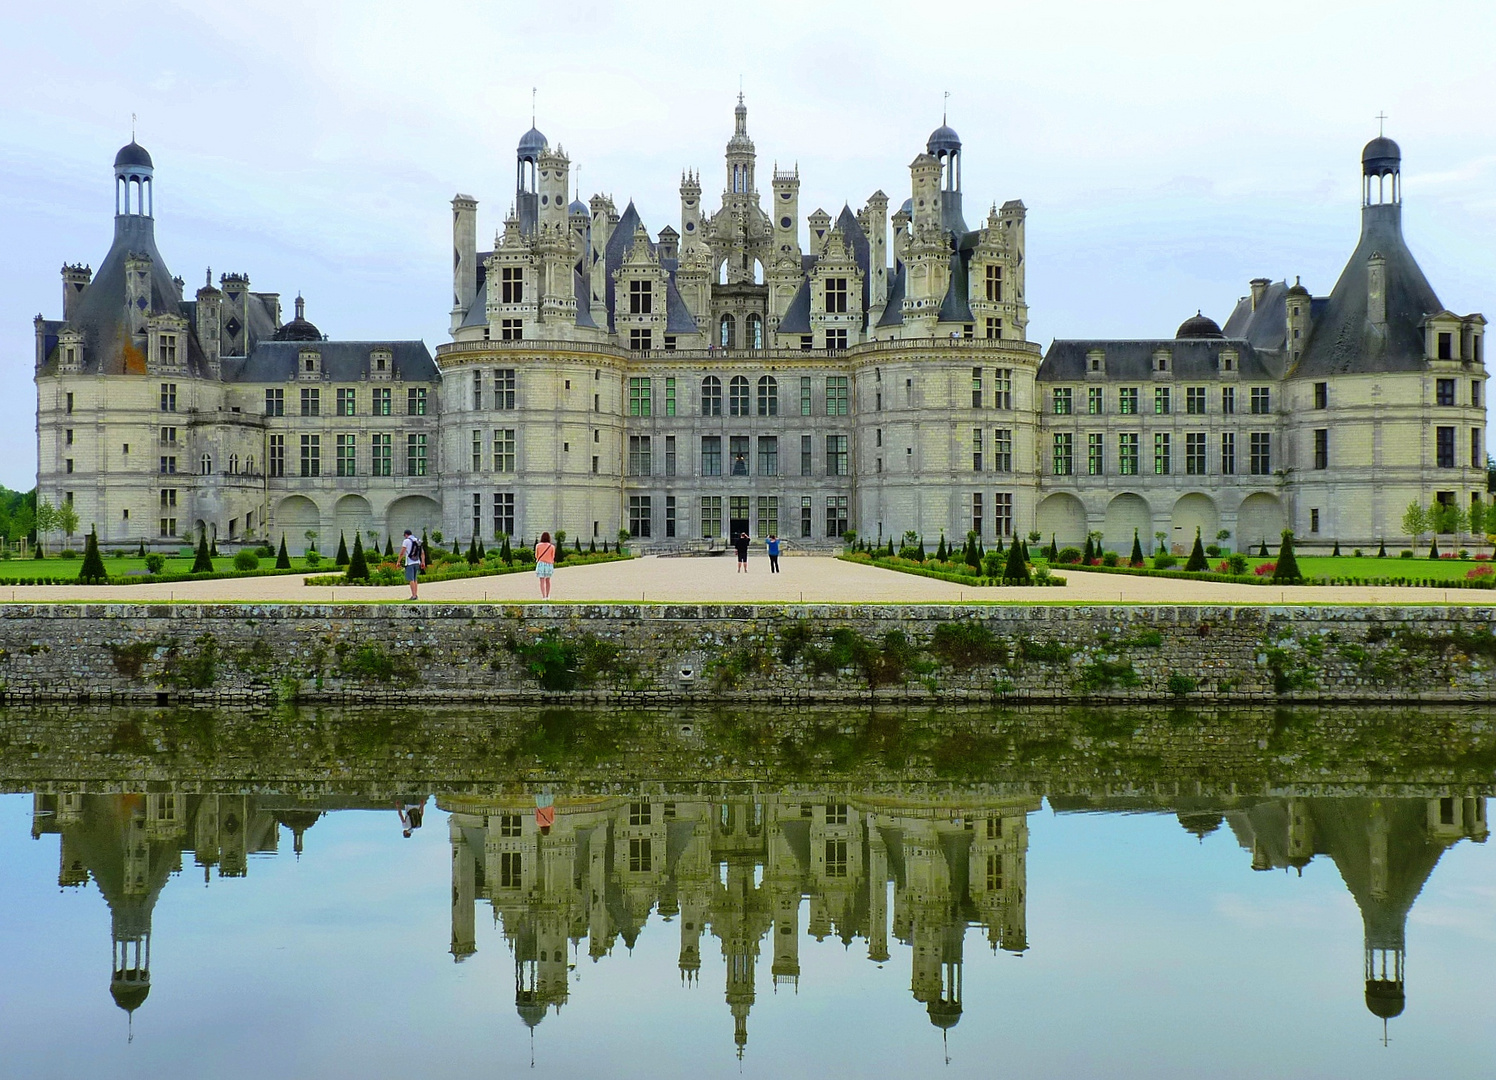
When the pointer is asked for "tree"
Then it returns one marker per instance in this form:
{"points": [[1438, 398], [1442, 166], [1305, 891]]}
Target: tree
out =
{"points": [[67, 521], [389, 546], [358, 565], [282, 559], [505, 552], [1415, 520], [342, 556], [1089, 553], [1262, 551], [311, 539], [1287, 572], [1054, 549], [92, 572], [456, 547], [1016, 572], [1163, 540], [998, 549], [1433, 548], [1136, 558], [436, 537], [472, 552], [482, 552], [1197, 555], [973, 556], [1447, 518], [1382, 551], [46, 521], [940, 553], [203, 564], [1478, 518], [141, 552], [213, 546]]}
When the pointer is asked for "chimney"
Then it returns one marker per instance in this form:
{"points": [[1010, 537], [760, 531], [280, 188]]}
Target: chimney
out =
{"points": [[75, 278], [1376, 290], [1259, 290]]}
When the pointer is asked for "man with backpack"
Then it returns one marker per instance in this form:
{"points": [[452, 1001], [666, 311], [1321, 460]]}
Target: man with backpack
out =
{"points": [[414, 556]]}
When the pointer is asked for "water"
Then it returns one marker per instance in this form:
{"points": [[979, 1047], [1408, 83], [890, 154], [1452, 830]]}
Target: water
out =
{"points": [[1072, 895]]}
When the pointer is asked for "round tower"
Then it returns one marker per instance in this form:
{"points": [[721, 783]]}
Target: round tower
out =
{"points": [[1381, 172], [133, 180]]}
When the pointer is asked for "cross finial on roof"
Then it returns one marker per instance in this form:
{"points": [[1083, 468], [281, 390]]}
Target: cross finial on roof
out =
{"points": [[1381, 124]]}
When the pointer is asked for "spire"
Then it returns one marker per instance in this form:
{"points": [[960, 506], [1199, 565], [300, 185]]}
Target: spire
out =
{"points": [[741, 113]]}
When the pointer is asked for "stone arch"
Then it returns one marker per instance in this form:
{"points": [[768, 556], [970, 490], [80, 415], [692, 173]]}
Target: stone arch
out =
{"points": [[1063, 516], [294, 515], [1125, 514], [1260, 519], [1191, 512], [413, 512], [353, 516]]}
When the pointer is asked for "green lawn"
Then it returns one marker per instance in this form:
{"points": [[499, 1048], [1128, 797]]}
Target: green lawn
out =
{"points": [[65, 568], [1348, 566]]}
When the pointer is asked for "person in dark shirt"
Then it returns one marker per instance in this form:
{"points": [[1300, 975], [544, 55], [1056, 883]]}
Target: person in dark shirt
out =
{"points": [[773, 554], [741, 543]]}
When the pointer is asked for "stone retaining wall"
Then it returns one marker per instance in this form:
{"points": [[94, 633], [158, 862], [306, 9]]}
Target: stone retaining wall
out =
{"points": [[657, 654]]}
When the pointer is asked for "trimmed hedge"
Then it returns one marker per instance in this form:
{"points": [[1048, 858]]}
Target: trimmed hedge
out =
{"points": [[153, 579], [1252, 579], [918, 570], [386, 576]]}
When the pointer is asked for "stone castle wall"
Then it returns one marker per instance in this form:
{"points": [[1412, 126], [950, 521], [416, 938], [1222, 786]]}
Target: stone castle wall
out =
{"points": [[661, 654]]}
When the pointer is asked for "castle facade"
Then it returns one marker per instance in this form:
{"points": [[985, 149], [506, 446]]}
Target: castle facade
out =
{"points": [[688, 385]]}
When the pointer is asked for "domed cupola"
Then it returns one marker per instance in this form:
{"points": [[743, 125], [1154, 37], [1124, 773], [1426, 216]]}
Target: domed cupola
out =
{"points": [[578, 207], [1199, 326], [133, 181], [943, 140], [298, 329], [531, 143], [132, 154], [1381, 157]]}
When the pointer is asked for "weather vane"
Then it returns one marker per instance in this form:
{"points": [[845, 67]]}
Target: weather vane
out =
{"points": [[945, 106], [533, 91], [132, 127]]}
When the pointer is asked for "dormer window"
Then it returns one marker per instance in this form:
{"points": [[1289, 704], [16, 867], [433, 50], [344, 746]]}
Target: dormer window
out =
{"points": [[166, 349], [310, 364], [1161, 360], [381, 364], [1446, 345], [1096, 362], [1227, 360]]}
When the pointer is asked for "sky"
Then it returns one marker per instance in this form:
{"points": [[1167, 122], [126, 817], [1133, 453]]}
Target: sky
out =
{"points": [[1167, 152]]}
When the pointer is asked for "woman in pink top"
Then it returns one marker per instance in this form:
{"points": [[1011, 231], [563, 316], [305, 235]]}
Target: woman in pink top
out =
{"points": [[545, 564]]}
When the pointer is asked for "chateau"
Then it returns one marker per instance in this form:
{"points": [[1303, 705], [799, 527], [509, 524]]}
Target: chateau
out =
{"points": [[687, 385]]}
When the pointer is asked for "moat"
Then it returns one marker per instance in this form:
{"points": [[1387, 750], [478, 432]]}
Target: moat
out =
{"points": [[718, 892]]}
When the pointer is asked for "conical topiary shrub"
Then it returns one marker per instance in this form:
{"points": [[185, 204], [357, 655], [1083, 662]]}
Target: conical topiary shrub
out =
{"points": [[1197, 560], [389, 547], [1287, 572], [1262, 551], [1089, 553], [1054, 550], [973, 558], [1433, 549], [213, 548], [940, 553], [482, 551], [998, 549], [1382, 551], [92, 571], [472, 552], [1016, 572], [141, 552], [505, 552], [1335, 551], [342, 556], [1136, 559], [358, 566], [203, 564], [282, 559], [456, 547]]}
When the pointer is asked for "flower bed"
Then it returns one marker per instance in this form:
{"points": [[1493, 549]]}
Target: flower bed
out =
{"points": [[387, 573], [947, 571]]}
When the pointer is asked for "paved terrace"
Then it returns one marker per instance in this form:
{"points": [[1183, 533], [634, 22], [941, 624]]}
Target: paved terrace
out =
{"points": [[811, 579]]}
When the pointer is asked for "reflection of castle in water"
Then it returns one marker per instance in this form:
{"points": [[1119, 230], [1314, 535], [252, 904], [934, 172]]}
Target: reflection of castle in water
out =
{"points": [[739, 868], [1385, 849], [130, 844]]}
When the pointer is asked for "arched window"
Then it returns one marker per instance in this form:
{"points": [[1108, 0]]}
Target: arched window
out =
{"points": [[755, 330], [725, 331], [207, 464], [737, 401], [768, 396], [233, 464], [249, 464], [711, 396]]}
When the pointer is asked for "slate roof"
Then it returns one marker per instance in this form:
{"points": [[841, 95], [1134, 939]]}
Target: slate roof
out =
{"points": [[1267, 326], [1341, 341], [342, 361], [797, 316], [893, 307], [1132, 361]]}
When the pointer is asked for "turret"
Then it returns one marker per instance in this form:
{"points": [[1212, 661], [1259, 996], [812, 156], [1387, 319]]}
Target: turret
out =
{"points": [[740, 154], [690, 211], [75, 278], [924, 177], [1298, 305], [464, 256], [820, 229], [526, 178], [210, 322], [875, 224], [786, 210]]}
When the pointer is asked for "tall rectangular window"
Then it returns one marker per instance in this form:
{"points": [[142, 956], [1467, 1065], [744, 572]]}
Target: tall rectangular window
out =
{"points": [[669, 455], [711, 455], [311, 401], [836, 395], [1228, 453], [641, 340], [836, 339], [1321, 448], [503, 388], [1262, 400], [504, 456], [277, 463], [347, 401], [511, 285], [836, 456], [346, 456], [380, 466], [976, 449], [311, 455], [1161, 462], [738, 451], [767, 521], [994, 329], [1095, 454], [1093, 400], [477, 515], [768, 455], [976, 512], [477, 390], [836, 296], [711, 516], [1128, 453], [168, 397], [994, 283], [805, 450], [1127, 400], [1260, 445], [670, 516], [639, 456], [1194, 400], [1002, 450], [477, 451], [503, 514], [511, 870], [381, 405], [1194, 453], [641, 516], [1161, 403], [1475, 393], [1062, 400], [805, 516], [1477, 449], [639, 397], [1002, 513], [1321, 395], [836, 516], [1228, 400], [1064, 453], [1002, 388], [670, 396], [1444, 447], [275, 402], [1444, 391], [641, 297], [415, 454], [805, 395], [415, 401], [976, 388]]}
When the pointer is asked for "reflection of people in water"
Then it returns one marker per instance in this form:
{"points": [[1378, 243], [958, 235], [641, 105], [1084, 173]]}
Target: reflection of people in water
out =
{"points": [[545, 811], [410, 816]]}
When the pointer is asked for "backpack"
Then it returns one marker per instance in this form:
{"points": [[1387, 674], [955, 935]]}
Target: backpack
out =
{"points": [[417, 552]]}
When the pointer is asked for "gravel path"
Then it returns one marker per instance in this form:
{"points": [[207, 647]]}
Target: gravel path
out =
{"points": [[810, 579]]}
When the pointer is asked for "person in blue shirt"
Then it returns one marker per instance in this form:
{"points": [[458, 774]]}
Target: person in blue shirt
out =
{"points": [[773, 554]]}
